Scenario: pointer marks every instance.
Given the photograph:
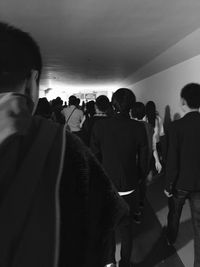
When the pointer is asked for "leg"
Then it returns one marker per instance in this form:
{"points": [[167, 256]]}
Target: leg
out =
{"points": [[175, 204], [109, 245], [195, 211], [126, 231], [142, 192]]}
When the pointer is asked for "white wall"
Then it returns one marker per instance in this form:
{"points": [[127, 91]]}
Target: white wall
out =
{"points": [[162, 79], [164, 87]]}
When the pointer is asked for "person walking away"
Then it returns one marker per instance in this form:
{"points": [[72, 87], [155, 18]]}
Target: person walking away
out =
{"points": [[53, 192], [121, 146], [182, 167]]}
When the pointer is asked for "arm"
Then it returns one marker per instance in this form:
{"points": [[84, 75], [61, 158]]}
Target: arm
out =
{"points": [[143, 153], [156, 157]]}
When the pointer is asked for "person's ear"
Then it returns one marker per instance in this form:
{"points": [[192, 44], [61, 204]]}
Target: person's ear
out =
{"points": [[32, 88], [183, 104]]}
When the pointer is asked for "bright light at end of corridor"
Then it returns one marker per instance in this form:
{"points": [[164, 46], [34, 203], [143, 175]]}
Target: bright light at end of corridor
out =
{"points": [[65, 90]]}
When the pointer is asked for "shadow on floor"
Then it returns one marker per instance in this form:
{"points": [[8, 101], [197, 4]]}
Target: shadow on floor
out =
{"points": [[161, 255], [150, 247], [185, 234]]}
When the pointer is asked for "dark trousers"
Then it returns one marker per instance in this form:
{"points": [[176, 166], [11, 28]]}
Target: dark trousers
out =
{"points": [[125, 231], [176, 203]]}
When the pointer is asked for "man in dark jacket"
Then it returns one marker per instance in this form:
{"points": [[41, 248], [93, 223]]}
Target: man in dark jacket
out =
{"points": [[121, 145], [57, 206], [183, 166]]}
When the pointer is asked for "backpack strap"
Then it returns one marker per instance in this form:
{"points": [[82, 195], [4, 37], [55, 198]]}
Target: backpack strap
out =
{"points": [[17, 202], [70, 116]]}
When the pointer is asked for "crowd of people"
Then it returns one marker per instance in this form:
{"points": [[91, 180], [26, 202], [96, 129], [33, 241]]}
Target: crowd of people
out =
{"points": [[72, 175]]}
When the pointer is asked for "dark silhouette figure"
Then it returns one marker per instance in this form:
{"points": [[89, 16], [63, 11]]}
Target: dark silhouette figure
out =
{"points": [[182, 169], [57, 107], [118, 142], [102, 111], [43, 108], [53, 192]]}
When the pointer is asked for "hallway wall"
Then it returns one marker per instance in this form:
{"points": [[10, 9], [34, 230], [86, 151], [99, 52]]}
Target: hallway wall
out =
{"points": [[164, 86]]}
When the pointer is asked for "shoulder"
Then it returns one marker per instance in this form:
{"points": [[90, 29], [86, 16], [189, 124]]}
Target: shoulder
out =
{"points": [[66, 109], [175, 125], [79, 111]]}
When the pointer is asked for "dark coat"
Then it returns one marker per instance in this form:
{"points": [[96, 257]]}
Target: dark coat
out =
{"points": [[121, 145], [88, 126], [46, 220], [183, 158]]}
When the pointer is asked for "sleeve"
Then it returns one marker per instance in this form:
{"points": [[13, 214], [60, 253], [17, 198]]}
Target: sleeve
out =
{"points": [[81, 116], [172, 159], [63, 112], [143, 153], [95, 141]]}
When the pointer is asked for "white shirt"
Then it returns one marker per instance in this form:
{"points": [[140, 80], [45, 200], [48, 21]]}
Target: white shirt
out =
{"points": [[75, 119], [126, 193]]}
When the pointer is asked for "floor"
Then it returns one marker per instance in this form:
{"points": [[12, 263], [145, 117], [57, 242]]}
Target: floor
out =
{"points": [[149, 244]]}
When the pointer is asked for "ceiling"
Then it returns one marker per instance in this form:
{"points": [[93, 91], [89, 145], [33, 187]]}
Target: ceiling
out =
{"points": [[101, 41]]}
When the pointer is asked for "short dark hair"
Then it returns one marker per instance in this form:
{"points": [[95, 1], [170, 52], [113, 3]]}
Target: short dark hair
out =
{"points": [[123, 100], [138, 110], [191, 93], [102, 103], [19, 54], [72, 100], [78, 101]]}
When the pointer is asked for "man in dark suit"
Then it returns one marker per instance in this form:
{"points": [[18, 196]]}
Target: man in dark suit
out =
{"points": [[121, 145], [183, 166]]}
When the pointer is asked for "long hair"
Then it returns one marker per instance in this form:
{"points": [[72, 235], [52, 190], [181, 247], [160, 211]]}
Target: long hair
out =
{"points": [[150, 111]]}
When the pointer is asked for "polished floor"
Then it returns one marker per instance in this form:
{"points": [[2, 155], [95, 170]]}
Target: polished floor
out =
{"points": [[149, 244]]}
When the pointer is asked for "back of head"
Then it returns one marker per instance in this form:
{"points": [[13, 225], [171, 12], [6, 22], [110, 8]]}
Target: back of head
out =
{"points": [[78, 101], [191, 94], [150, 110], [138, 111], [102, 103], [43, 107], [19, 55], [72, 100], [123, 100], [90, 108]]}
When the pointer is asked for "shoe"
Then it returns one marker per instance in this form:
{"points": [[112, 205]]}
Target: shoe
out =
{"points": [[169, 241]]}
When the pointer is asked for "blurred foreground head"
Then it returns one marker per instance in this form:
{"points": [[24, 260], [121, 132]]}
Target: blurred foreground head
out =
{"points": [[20, 62]]}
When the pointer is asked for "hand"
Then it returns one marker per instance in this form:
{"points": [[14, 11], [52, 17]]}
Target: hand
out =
{"points": [[158, 166], [167, 193]]}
